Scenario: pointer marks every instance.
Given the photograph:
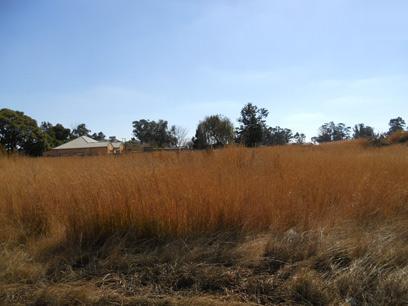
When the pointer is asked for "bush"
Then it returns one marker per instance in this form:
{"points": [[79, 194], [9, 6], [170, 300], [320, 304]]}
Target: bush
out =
{"points": [[398, 137], [379, 141]]}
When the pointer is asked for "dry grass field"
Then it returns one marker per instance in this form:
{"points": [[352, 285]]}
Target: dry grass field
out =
{"points": [[311, 225]]}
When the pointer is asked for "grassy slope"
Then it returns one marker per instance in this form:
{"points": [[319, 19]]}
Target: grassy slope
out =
{"points": [[311, 225]]}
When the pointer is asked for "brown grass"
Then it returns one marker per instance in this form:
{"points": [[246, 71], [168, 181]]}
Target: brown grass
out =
{"points": [[294, 224]]}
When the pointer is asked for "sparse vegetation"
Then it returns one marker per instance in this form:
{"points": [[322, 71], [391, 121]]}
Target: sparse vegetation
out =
{"points": [[307, 225]]}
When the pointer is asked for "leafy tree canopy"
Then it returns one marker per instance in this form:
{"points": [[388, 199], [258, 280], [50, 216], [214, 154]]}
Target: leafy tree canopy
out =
{"points": [[80, 130], [252, 127], [98, 136], [20, 133], [277, 136], [332, 132], [396, 125], [299, 138], [55, 134], [363, 131], [154, 133], [214, 130]]}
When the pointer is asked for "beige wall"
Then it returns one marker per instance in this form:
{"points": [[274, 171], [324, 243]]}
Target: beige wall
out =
{"points": [[119, 150]]}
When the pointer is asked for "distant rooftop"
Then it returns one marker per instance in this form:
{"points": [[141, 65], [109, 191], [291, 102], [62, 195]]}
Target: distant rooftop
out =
{"points": [[84, 142]]}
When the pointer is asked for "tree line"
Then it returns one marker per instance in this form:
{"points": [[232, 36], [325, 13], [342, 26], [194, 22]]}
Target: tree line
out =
{"points": [[21, 133]]}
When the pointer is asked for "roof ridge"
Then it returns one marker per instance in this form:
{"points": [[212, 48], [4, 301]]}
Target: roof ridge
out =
{"points": [[86, 138]]}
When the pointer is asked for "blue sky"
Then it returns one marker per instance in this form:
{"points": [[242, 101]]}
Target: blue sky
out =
{"points": [[110, 62]]}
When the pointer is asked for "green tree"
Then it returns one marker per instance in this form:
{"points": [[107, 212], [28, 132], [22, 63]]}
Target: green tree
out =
{"points": [[61, 133], [363, 131], [20, 133], [213, 131], [277, 136], [55, 134], [332, 132], [98, 136], [299, 138], [199, 141], [396, 125], [80, 130], [252, 127], [154, 133]]}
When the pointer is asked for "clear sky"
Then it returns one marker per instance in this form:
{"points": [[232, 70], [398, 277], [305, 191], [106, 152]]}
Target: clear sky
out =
{"points": [[110, 62]]}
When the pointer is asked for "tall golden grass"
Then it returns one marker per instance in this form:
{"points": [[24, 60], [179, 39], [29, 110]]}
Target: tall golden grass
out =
{"points": [[310, 225], [169, 194]]}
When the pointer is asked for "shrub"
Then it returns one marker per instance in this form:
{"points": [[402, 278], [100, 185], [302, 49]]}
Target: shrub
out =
{"points": [[379, 140], [399, 137]]}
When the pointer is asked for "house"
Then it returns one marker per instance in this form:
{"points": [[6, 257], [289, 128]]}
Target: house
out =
{"points": [[86, 146]]}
